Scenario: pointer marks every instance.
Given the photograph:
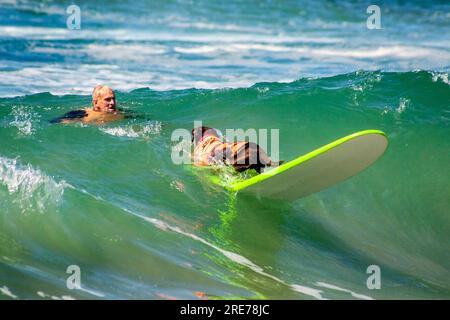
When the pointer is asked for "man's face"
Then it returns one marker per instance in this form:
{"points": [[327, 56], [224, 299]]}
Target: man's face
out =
{"points": [[106, 101]]}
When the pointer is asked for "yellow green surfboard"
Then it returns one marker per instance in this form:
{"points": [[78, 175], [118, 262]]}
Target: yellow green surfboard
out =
{"points": [[318, 169]]}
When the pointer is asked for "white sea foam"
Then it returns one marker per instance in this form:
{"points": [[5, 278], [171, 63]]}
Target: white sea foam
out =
{"points": [[353, 294], [45, 296], [263, 90], [80, 79], [442, 76], [35, 6], [213, 42], [5, 290], [43, 33], [24, 120], [308, 291], [403, 104], [92, 292], [198, 50], [135, 130], [35, 32], [131, 52], [31, 188], [405, 52]]}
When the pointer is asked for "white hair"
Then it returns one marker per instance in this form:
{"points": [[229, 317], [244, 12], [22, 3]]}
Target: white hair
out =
{"points": [[97, 91]]}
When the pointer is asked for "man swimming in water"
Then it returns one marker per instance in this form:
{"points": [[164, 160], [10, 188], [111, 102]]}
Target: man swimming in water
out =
{"points": [[243, 155], [103, 109]]}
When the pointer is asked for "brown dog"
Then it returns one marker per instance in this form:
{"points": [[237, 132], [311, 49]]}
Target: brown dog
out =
{"points": [[210, 150]]}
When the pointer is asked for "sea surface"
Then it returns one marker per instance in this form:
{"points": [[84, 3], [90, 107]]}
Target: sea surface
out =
{"points": [[109, 200]]}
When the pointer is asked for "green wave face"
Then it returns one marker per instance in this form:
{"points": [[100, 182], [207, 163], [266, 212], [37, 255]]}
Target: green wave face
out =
{"points": [[110, 200]]}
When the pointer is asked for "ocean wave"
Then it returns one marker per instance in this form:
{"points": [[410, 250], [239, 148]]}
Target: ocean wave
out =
{"points": [[442, 76], [302, 50], [237, 258], [24, 120], [80, 79], [48, 33], [35, 7], [31, 188], [215, 42], [75, 79], [243, 261], [215, 26], [201, 65], [131, 52], [403, 104], [135, 130]]}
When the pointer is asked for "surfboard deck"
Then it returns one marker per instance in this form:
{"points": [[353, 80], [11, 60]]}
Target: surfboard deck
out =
{"points": [[317, 170]]}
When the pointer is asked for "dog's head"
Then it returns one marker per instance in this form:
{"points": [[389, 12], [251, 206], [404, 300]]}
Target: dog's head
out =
{"points": [[202, 132]]}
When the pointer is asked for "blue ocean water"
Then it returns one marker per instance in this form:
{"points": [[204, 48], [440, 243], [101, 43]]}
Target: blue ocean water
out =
{"points": [[211, 44], [109, 200]]}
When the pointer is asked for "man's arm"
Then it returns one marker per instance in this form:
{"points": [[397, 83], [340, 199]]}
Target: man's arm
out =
{"points": [[71, 116]]}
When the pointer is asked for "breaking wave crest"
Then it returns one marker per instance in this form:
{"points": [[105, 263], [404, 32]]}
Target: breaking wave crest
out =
{"points": [[32, 189], [144, 130]]}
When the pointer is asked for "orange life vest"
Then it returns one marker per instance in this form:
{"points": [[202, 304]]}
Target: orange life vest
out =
{"points": [[242, 155]]}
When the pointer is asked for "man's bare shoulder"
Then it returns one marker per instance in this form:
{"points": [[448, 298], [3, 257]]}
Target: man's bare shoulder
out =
{"points": [[72, 116], [97, 117]]}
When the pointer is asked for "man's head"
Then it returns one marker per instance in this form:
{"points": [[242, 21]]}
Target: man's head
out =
{"points": [[103, 99], [202, 132]]}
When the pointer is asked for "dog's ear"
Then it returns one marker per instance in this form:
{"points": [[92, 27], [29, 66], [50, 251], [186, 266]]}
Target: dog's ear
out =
{"points": [[193, 134], [209, 131], [197, 134]]}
